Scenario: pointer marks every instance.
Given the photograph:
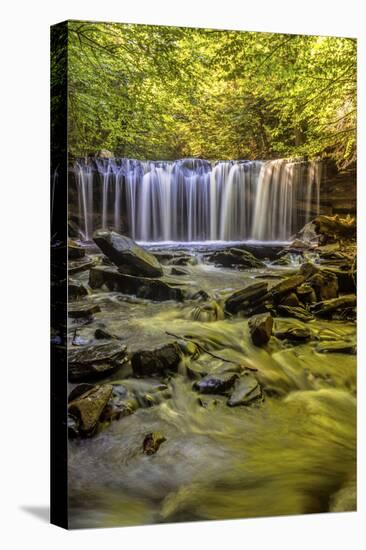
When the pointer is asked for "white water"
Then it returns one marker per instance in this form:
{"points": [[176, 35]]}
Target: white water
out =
{"points": [[194, 200]]}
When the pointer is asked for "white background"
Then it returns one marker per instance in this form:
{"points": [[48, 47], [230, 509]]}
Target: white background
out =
{"points": [[24, 294]]}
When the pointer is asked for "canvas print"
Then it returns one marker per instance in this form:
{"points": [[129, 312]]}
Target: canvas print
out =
{"points": [[203, 225]]}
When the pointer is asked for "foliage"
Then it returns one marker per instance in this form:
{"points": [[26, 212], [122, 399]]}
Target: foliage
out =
{"points": [[166, 92]]}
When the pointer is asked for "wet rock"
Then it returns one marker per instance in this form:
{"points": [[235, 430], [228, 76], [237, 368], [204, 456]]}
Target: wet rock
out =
{"points": [[285, 259], [246, 390], [295, 334], [165, 358], [290, 300], [245, 298], [234, 257], [74, 251], [101, 334], [346, 279], [260, 327], [143, 287], [77, 266], [200, 295], [287, 285], [78, 391], [308, 269], [152, 442], [206, 313], [325, 285], [178, 271], [95, 361], [342, 304], [182, 259], [306, 294], [130, 258], [88, 407], [334, 228], [81, 310], [216, 383], [337, 347], [121, 404], [296, 312], [76, 290]]}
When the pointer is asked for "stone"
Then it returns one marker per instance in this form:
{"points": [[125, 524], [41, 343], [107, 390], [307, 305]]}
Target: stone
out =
{"points": [[95, 361], [143, 287], [246, 297], [88, 407], [287, 285], [165, 358], [325, 285], [290, 299], [74, 251], [101, 334], [121, 404], [152, 442], [130, 258], [246, 391], [296, 334], [76, 266], [178, 271], [296, 312], [260, 328], [82, 310], [79, 390], [216, 383], [76, 290], [337, 347], [308, 269], [328, 307], [235, 257], [306, 294]]}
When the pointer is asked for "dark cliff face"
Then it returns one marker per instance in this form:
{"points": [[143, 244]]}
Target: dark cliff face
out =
{"points": [[339, 192]]}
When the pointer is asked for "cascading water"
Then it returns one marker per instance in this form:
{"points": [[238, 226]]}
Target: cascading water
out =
{"points": [[196, 200]]}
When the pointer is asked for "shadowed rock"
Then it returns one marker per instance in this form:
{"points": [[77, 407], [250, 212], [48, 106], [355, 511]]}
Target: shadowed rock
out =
{"points": [[216, 383], [157, 361], [88, 407], [246, 390], [284, 287], [143, 287], [260, 327], [130, 258], [245, 298], [152, 442], [95, 361], [235, 257]]}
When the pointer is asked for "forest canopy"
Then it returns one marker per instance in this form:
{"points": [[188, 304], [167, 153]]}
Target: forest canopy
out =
{"points": [[158, 92]]}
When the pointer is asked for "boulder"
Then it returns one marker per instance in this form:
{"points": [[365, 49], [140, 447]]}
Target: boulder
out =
{"points": [[88, 407], [260, 327], [340, 346], [234, 257], [121, 404], [306, 294], [296, 312], [165, 358], [290, 299], [245, 298], [327, 308], [325, 285], [152, 442], [246, 390], [216, 383], [308, 269], [143, 287], [74, 251], [130, 258], [81, 310], [95, 361], [76, 290], [295, 334], [287, 285], [76, 266], [178, 271]]}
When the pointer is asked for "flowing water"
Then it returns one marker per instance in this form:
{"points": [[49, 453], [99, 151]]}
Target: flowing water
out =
{"points": [[196, 200], [292, 453]]}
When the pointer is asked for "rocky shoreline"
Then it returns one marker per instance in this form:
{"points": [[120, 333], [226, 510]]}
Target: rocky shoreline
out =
{"points": [[286, 302]]}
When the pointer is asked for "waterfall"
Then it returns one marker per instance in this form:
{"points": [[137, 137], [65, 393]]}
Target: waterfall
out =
{"points": [[196, 200]]}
